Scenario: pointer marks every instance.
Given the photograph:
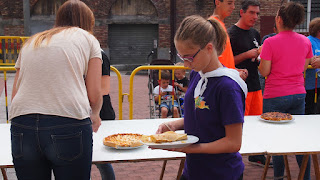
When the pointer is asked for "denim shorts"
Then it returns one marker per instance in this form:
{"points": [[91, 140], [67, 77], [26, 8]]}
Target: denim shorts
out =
{"points": [[168, 104], [42, 143]]}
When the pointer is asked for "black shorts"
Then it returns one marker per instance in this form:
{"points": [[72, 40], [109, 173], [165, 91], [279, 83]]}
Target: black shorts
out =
{"points": [[107, 112]]}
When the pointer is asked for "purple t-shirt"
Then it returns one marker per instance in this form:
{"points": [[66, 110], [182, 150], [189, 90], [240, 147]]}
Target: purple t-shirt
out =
{"points": [[222, 104]]}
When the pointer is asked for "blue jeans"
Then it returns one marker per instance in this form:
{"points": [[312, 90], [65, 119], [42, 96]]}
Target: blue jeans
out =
{"points": [[278, 166], [293, 104], [106, 171], [42, 143]]}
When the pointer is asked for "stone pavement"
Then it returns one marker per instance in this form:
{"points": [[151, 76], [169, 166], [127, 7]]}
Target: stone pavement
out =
{"points": [[141, 170]]}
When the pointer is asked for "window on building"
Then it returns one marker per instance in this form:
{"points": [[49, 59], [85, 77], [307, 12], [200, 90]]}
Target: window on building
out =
{"points": [[46, 7], [312, 10]]}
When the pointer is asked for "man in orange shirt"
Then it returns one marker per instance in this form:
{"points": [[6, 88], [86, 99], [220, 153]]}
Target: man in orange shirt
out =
{"points": [[223, 9], [245, 41]]}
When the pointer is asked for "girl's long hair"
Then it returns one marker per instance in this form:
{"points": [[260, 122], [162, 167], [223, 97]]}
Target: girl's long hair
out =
{"points": [[73, 13]]}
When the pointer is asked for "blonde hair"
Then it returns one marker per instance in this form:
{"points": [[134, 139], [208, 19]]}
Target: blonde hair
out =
{"points": [[72, 13], [180, 64], [201, 32], [45, 35]]}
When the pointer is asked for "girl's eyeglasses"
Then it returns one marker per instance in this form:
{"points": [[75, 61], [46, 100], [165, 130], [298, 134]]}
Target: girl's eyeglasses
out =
{"points": [[190, 59]]}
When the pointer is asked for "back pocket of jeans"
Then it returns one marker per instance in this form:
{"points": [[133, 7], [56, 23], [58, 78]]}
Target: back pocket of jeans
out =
{"points": [[68, 147], [16, 144]]}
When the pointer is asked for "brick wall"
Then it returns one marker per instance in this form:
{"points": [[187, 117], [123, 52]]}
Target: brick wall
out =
{"points": [[13, 9], [101, 9], [164, 35], [11, 30], [101, 33]]}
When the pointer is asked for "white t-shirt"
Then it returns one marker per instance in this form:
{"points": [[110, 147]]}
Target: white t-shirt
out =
{"points": [[165, 97], [52, 77]]}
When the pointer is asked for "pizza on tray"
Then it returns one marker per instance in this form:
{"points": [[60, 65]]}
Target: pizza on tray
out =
{"points": [[169, 136], [276, 116], [123, 140]]}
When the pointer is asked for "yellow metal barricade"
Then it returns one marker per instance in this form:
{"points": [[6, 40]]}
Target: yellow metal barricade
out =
{"points": [[24, 39], [5, 69], [146, 68], [9, 49], [316, 84], [120, 94]]}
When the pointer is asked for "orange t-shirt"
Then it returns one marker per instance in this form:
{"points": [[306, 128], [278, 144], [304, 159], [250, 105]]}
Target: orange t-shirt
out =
{"points": [[226, 58]]}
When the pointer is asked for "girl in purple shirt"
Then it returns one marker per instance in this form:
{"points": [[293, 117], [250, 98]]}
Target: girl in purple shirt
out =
{"points": [[214, 103]]}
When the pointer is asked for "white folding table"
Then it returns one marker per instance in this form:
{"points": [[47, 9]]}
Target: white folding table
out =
{"points": [[297, 137]]}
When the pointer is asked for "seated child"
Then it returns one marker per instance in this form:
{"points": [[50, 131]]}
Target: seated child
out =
{"points": [[181, 81], [166, 96]]}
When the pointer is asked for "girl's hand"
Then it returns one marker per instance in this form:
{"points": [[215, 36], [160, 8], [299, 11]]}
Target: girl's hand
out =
{"points": [[170, 126], [96, 122], [164, 127]]}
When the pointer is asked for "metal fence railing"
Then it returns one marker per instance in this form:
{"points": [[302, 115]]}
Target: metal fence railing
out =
{"points": [[163, 67], [9, 49]]}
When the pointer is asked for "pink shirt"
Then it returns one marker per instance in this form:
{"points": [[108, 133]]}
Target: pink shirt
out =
{"points": [[287, 52]]}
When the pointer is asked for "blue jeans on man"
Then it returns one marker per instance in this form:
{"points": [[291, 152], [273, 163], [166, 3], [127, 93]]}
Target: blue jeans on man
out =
{"points": [[42, 143], [293, 104]]}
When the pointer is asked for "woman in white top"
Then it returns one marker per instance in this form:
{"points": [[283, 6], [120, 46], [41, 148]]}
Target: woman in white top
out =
{"points": [[56, 98]]}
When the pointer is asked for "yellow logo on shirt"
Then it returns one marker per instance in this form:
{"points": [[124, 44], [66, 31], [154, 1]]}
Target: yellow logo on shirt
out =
{"points": [[200, 103]]}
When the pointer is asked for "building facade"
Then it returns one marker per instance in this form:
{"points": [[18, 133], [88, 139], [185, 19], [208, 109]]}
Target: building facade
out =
{"points": [[130, 31]]}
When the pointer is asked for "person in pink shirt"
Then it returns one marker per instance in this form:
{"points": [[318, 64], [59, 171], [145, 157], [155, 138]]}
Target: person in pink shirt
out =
{"points": [[284, 58]]}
